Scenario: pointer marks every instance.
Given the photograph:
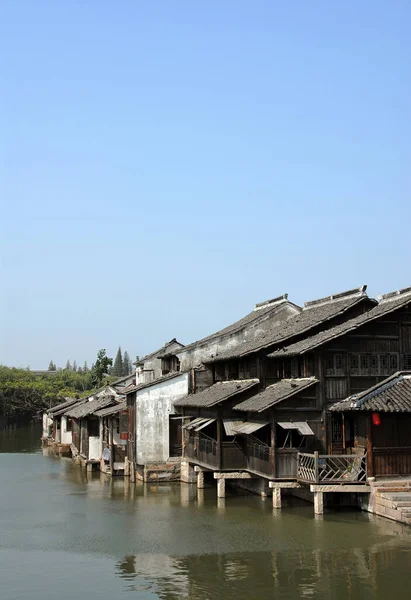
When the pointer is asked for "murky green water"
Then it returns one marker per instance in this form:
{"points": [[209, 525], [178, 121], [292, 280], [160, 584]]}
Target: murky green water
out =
{"points": [[64, 535]]}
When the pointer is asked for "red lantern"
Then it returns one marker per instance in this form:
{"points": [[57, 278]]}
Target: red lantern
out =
{"points": [[376, 419]]}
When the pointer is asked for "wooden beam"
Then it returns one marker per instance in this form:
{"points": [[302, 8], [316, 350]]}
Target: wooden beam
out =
{"points": [[370, 457]]}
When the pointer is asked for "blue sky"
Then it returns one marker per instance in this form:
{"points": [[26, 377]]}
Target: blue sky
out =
{"points": [[166, 165]]}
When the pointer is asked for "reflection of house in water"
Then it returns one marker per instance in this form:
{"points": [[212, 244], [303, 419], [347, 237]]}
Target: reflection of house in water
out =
{"points": [[295, 572]]}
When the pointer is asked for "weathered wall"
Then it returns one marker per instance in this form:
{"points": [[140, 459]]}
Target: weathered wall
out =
{"points": [[47, 422], [94, 452], [151, 369], [196, 354], [65, 436], [154, 404]]}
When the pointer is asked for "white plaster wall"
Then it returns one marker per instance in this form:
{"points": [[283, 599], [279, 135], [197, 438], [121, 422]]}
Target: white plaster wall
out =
{"points": [[65, 436], [153, 407], [47, 422], [94, 452]]}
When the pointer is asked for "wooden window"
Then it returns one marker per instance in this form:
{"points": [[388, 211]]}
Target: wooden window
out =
{"points": [[384, 364], [335, 364], [393, 362], [407, 362], [336, 429], [374, 364], [294, 367], [69, 424], [354, 364]]}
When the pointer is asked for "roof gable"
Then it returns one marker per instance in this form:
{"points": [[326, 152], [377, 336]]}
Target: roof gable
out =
{"points": [[387, 304], [314, 314]]}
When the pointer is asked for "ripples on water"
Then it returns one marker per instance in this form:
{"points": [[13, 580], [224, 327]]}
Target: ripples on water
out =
{"points": [[65, 533]]}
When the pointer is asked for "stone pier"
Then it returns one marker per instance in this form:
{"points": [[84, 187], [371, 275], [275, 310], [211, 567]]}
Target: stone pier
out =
{"points": [[222, 477], [277, 486]]}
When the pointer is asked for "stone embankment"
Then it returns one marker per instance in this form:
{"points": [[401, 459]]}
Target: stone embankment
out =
{"points": [[390, 499]]}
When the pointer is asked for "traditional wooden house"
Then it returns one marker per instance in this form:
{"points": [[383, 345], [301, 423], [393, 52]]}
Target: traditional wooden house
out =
{"points": [[377, 423], [154, 434], [174, 371], [113, 430], [57, 431], [87, 431], [335, 346]]}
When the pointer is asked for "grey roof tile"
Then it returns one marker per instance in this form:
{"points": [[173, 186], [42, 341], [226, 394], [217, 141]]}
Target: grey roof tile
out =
{"points": [[313, 315], [387, 304], [223, 390], [392, 395], [273, 394]]}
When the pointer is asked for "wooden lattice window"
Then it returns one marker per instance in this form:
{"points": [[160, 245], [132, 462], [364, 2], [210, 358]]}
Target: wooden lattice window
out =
{"points": [[407, 362]]}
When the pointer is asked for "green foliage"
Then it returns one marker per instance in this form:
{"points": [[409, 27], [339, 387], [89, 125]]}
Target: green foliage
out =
{"points": [[117, 369], [52, 366], [100, 368], [24, 394]]}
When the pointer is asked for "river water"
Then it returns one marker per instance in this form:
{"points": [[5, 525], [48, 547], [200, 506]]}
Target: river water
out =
{"points": [[66, 535]]}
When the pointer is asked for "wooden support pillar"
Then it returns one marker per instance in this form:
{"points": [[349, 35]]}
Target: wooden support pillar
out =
{"points": [[110, 437], [316, 467], [318, 503], [200, 480], [218, 448], [272, 446], [220, 488], [370, 458], [277, 497]]}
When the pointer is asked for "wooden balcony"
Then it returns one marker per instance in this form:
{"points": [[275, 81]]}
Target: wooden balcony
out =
{"points": [[331, 469]]}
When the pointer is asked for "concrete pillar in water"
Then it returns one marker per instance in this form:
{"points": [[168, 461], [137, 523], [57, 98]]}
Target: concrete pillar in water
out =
{"points": [[276, 497], [318, 503], [220, 488], [89, 467], [200, 480]]}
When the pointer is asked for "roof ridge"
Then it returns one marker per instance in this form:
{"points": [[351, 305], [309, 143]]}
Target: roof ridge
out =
{"points": [[273, 301], [394, 295], [355, 292]]}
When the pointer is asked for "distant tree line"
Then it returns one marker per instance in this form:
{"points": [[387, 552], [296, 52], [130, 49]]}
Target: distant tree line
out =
{"points": [[122, 365], [25, 394]]}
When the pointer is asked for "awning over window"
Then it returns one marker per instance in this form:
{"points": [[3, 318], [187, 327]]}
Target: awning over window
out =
{"points": [[198, 423], [230, 425], [302, 427], [193, 423], [207, 422], [249, 427]]}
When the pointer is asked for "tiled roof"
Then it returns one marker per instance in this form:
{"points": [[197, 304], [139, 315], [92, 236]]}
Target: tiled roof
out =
{"points": [[158, 352], [391, 395], [59, 409], [111, 410], [223, 390], [273, 394], [387, 304], [260, 311], [135, 388], [88, 408], [314, 314]]}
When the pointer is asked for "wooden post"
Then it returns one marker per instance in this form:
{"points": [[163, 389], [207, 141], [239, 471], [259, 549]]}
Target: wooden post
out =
{"points": [[343, 433], [218, 448], [316, 470], [111, 446], [370, 459], [272, 448]]}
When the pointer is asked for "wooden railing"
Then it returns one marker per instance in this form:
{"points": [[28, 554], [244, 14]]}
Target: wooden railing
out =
{"points": [[335, 468], [258, 458], [201, 449]]}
